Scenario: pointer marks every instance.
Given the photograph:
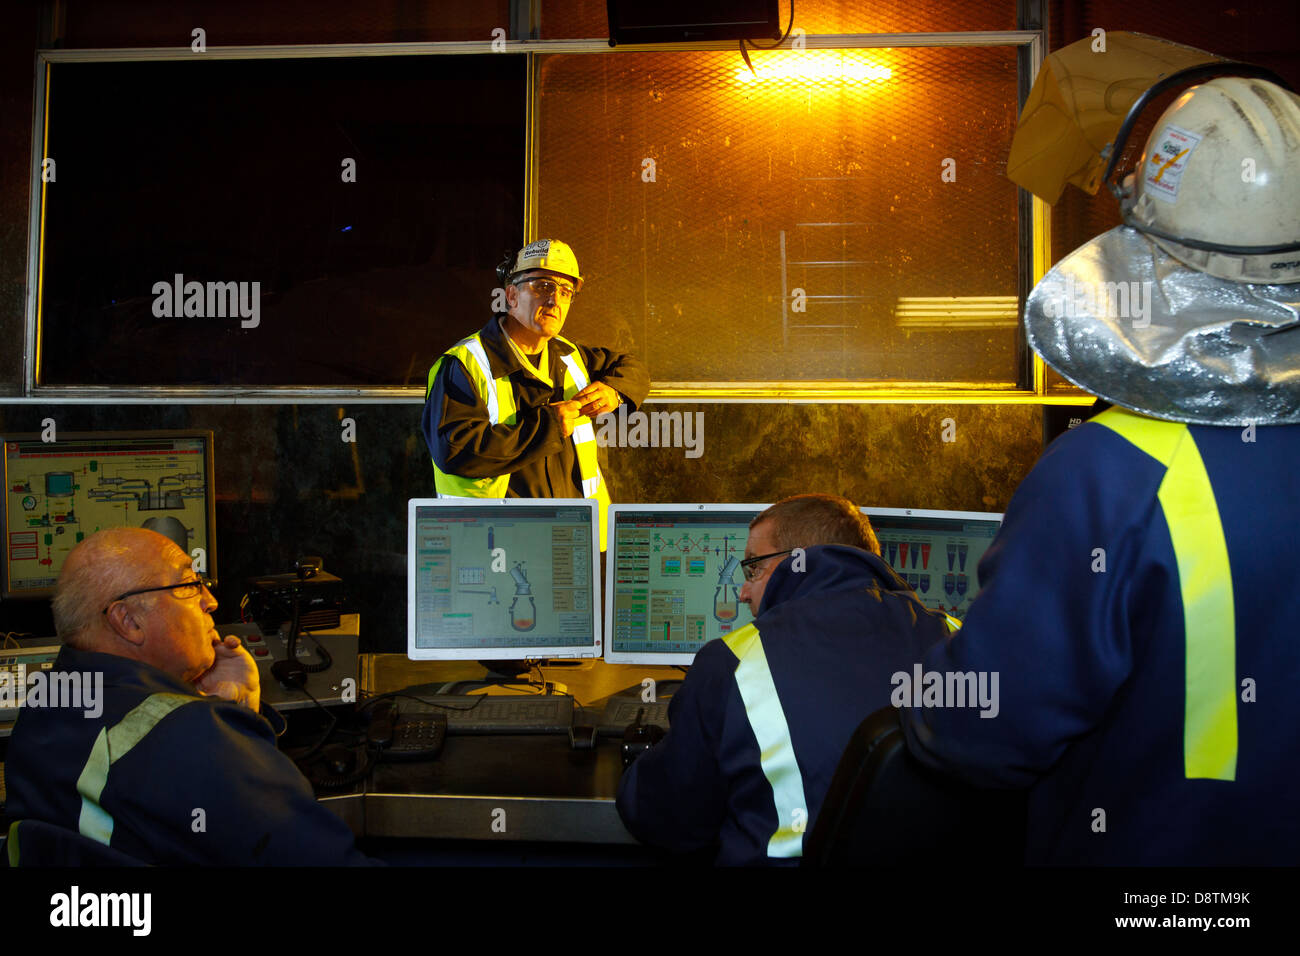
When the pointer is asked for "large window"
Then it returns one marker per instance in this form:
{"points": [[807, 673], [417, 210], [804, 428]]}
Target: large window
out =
{"points": [[274, 222], [834, 222], [830, 215]]}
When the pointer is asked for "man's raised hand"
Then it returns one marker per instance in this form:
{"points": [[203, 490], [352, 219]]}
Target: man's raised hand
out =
{"points": [[598, 399], [233, 676], [566, 413]]}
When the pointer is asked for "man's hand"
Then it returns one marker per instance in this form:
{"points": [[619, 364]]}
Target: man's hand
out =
{"points": [[233, 676], [566, 413], [598, 399]]}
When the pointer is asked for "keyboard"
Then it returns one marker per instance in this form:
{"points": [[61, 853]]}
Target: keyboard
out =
{"points": [[620, 712], [484, 714]]}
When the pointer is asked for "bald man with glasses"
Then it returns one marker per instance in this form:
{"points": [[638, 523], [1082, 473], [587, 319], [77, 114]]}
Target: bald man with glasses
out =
{"points": [[765, 712], [174, 763]]}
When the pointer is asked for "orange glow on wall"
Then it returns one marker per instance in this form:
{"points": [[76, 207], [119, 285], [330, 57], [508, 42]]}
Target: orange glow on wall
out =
{"points": [[814, 66]]}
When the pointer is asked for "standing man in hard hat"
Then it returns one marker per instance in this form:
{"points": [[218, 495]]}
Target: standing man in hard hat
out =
{"points": [[1136, 601], [508, 410]]}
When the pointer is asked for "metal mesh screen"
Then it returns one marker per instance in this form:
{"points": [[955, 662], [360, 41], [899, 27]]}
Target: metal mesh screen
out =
{"points": [[579, 19], [798, 226]]}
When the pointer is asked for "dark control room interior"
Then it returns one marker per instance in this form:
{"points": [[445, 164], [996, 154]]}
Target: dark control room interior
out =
{"points": [[394, 395]]}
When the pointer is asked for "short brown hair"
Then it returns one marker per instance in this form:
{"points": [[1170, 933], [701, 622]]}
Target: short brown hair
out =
{"points": [[802, 521]]}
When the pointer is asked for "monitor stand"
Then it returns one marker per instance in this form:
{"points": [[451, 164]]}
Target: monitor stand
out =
{"points": [[500, 672], [512, 671]]}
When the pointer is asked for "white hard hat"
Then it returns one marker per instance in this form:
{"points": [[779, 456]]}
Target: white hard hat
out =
{"points": [[1218, 183], [546, 255]]}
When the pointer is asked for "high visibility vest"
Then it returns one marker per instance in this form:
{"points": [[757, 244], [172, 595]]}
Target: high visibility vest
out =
{"points": [[775, 747], [112, 744], [1205, 579], [498, 394]]}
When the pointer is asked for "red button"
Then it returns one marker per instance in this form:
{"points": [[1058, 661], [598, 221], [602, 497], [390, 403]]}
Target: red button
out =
{"points": [[253, 638], [260, 651]]}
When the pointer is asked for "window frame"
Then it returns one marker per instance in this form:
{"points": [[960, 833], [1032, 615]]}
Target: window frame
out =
{"points": [[1034, 240]]}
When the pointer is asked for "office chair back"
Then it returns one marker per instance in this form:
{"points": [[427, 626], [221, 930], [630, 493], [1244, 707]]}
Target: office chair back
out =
{"points": [[884, 808]]}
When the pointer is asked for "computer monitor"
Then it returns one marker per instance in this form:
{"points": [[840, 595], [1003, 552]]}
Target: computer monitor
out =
{"points": [[57, 493], [936, 552], [502, 579], [673, 578]]}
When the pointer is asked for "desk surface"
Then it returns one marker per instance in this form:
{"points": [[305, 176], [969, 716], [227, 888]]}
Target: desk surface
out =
{"points": [[590, 682], [499, 787]]}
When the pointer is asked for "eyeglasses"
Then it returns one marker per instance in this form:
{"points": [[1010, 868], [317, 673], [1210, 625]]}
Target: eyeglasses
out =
{"points": [[185, 590], [747, 567], [545, 288]]}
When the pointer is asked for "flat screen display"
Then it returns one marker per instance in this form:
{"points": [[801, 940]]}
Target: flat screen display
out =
{"points": [[673, 579], [503, 579], [58, 493], [936, 552]]}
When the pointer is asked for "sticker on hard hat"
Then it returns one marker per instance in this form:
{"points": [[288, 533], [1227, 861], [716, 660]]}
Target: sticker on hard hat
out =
{"points": [[1168, 160], [538, 248]]}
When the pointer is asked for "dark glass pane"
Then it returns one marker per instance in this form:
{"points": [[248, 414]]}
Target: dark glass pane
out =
{"points": [[233, 172], [170, 23]]}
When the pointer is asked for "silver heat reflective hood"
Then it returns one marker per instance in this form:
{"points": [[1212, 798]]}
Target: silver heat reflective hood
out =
{"points": [[1122, 319]]}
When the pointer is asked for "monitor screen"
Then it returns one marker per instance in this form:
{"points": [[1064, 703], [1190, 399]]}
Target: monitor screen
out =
{"points": [[57, 493], [496, 579], [673, 579], [936, 552]]}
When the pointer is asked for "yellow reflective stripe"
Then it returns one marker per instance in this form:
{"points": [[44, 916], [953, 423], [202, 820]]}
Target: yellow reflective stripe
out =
{"points": [[1159, 439], [496, 393], [584, 435], [601, 494], [1210, 719], [742, 640], [12, 846], [776, 749], [1205, 578], [588, 463], [111, 745], [487, 384], [475, 488], [498, 396], [573, 363], [94, 820], [954, 625]]}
